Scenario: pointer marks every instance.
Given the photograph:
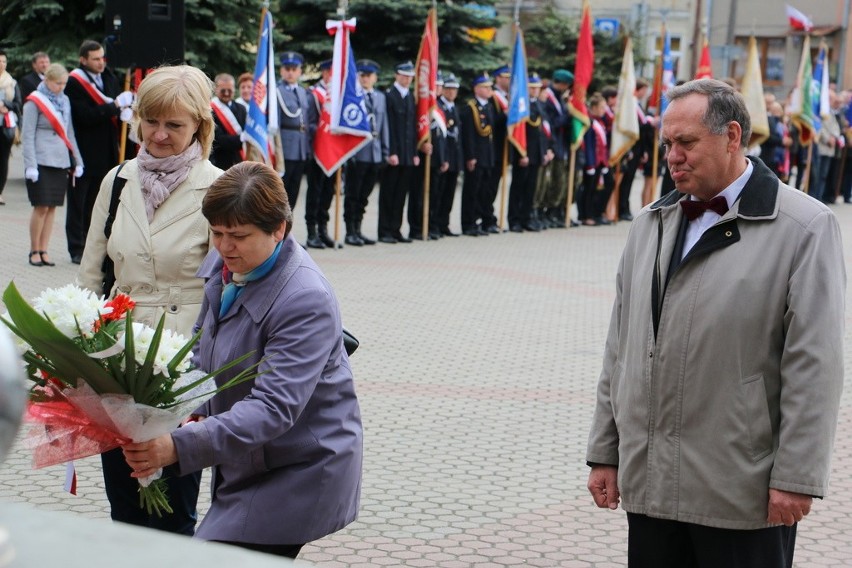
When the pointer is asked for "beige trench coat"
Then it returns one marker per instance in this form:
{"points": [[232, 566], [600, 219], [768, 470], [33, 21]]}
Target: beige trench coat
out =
{"points": [[737, 390], [154, 263]]}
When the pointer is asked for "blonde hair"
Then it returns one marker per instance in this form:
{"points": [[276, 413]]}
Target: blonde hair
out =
{"points": [[179, 88], [55, 72]]}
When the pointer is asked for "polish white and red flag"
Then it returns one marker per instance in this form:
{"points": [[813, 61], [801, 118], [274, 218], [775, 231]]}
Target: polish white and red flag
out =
{"points": [[798, 20]]}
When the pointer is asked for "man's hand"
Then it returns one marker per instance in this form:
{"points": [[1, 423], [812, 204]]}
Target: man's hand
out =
{"points": [[470, 165], [786, 508], [393, 160], [603, 485]]}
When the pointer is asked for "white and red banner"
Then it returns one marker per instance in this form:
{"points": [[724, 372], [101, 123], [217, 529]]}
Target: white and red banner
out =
{"points": [[798, 20], [344, 126], [426, 78], [227, 119], [80, 76], [52, 115]]}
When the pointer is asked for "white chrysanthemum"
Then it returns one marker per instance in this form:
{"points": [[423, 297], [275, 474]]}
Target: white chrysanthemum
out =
{"points": [[170, 344], [70, 306]]}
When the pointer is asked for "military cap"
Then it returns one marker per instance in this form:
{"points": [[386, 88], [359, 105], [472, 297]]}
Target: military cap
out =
{"points": [[292, 58], [439, 78], [406, 69], [563, 76], [482, 79], [534, 80], [451, 82], [367, 66], [503, 71], [325, 64]]}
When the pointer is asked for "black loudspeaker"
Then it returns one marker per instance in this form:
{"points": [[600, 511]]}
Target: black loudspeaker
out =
{"points": [[144, 33]]}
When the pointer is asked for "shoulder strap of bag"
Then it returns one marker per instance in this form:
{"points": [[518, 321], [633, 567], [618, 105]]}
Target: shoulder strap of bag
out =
{"points": [[117, 187]]}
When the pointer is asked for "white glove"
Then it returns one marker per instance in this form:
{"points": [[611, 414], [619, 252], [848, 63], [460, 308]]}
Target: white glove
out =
{"points": [[78, 171], [31, 174], [590, 172], [126, 114], [125, 99], [604, 171], [244, 136]]}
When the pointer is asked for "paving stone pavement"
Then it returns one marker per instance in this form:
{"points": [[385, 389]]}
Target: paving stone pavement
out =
{"points": [[476, 375]]}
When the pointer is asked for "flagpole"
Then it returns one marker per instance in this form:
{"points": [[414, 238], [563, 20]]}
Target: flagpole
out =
{"points": [[252, 153], [123, 148], [517, 25], [342, 5]]}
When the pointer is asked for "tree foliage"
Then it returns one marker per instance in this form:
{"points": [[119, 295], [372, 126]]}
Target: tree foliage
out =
{"points": [[551, 41]]}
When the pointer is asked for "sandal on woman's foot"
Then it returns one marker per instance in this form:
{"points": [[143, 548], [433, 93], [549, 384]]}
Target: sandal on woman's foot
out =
{"points": [[44, 260], [36, 254]]}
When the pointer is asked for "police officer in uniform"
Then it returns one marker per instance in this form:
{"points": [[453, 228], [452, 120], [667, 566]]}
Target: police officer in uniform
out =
{"points": [[320, 186], [500, 101], [477, 124], [402, 155], [294, 104], [452, 155], [362, 172]]}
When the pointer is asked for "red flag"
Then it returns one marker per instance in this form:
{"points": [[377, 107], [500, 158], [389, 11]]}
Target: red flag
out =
{"points": [[705, 68], [583, 68], [425, 80], [798, 20]]}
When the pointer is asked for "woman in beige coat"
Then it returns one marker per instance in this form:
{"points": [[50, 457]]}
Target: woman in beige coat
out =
{"points": [[159, 238]]}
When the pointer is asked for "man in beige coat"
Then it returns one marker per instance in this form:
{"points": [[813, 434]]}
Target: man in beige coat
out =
{"points": [[718, 400]]}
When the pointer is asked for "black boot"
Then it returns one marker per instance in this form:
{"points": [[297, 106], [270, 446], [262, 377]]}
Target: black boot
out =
{"points": [[361, 236], [540, 219], [352, 237], [322, 231], [313, 240]]}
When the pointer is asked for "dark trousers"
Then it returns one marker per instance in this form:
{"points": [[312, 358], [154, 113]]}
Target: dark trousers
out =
{"points": [[521, 194], [5, 151], [78, 215], [392, 191], [475, 183], [123, 495], [447, 190], [628, 174], [658, 543], [488, 195], [318, 196], [294, 170], [361, 178], [415, 197]]}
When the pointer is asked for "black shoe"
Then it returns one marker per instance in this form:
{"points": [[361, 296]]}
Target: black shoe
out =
{"points": [[44, 261], [326, 240], [531, 228], [315, 242], [35, 253], [480, 230], [387, 240], [448, 233], [516, 229], [626, 217], [602, 221], [493, 229], [400, 239], [575, 223], [76, 258], [435, 235], [472, 232], [353, 239], [365, 240]]}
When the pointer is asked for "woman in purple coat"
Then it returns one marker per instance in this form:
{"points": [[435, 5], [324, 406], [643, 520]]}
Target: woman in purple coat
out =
{"points": [[285, 448]]}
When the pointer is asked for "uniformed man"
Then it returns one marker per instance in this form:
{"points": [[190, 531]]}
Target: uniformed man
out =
{"points": [[551, 195], [453, 155], [294, 108], [320, 191], [434, 148], [402, 155], [362, 172], [477, 123], [500, 99], [525, 165]]}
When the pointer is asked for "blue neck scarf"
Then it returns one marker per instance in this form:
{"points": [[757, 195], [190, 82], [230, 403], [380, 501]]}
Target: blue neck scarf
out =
{"points": [[58, 100], [234, 283]]}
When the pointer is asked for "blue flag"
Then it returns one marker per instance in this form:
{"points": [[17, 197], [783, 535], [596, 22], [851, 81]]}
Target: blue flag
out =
{"points": [[519, 98], [263, 107], [668, 72]]}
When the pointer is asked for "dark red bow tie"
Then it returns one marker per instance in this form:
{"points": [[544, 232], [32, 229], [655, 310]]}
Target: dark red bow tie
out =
{"points": [[694, 209]]}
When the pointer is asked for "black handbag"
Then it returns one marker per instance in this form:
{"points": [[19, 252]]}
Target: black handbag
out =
{"points": [[350, 342]]}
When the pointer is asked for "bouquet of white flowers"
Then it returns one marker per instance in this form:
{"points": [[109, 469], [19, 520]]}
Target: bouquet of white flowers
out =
{"points": [[102, 380]]}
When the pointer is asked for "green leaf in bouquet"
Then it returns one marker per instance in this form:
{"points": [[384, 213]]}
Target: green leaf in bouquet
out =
{"points": [[246, 374], [147, 383], [129, 356], [69, 361]]}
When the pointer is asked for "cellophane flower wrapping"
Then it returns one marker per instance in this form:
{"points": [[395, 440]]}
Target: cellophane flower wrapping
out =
{"points": [[96, 386]]}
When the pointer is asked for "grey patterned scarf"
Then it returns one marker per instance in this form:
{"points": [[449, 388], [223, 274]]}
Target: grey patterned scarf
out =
{"points": [[159, 177]]}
